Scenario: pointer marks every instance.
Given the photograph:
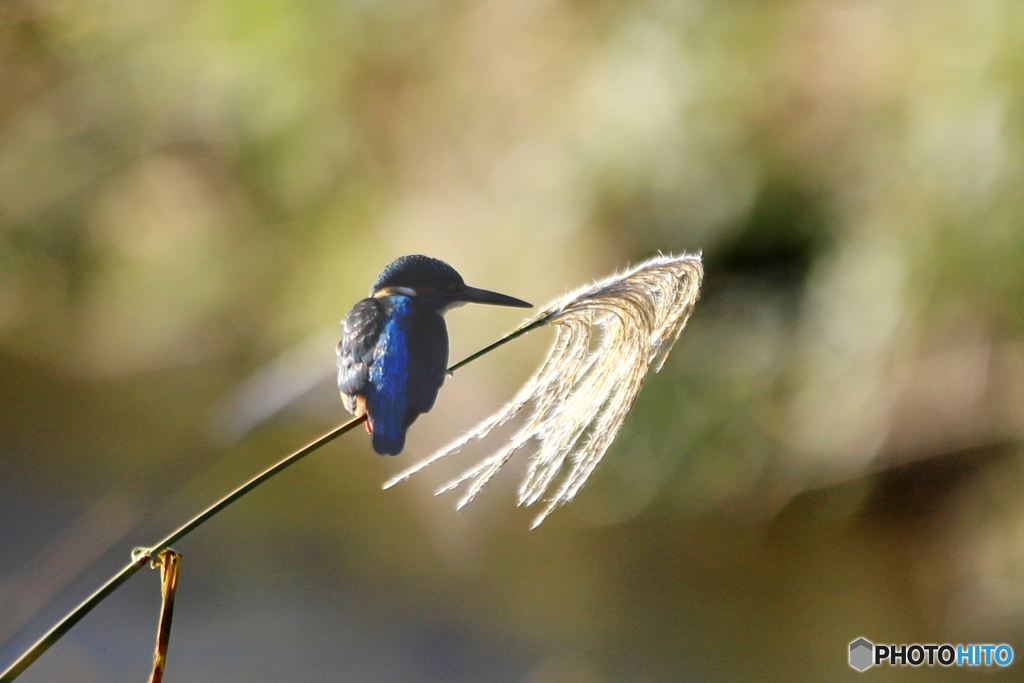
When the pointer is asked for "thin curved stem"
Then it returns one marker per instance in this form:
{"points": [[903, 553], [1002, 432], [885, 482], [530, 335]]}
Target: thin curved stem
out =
{"points": [[65, 624], [209, 512], [143, 555], [514, 334]]}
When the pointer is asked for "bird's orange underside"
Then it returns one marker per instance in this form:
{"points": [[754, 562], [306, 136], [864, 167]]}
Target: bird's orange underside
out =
{"points": [[361, 410]]}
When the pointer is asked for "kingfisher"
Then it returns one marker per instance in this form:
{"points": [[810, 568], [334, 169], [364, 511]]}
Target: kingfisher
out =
{"points": [[393, 353]]}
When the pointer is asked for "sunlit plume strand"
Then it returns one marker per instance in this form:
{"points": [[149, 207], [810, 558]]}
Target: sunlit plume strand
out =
{"points": [[609, 334]]}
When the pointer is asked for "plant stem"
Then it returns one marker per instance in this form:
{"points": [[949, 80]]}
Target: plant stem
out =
{"points": [[170, 563], [65, 624], [514, 334], [142, 555]]}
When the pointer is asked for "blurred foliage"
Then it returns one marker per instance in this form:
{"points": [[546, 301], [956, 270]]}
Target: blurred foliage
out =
{"points": [[191, 193]]}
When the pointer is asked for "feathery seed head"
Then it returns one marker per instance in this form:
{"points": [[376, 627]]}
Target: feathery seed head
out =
{"points": [[608, 336]]}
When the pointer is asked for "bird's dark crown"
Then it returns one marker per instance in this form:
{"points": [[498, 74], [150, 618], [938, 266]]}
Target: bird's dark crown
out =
{"points": [[417, 271]]}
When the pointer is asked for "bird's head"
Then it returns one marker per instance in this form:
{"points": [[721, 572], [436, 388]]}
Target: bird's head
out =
{"points": [[435, 283]]}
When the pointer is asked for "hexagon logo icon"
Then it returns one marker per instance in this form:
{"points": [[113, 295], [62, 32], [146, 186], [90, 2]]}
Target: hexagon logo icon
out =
{"points": [[861, 654]]}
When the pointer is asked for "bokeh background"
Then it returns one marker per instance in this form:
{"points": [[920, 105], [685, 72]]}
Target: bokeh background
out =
{"points": [[192, 193]]}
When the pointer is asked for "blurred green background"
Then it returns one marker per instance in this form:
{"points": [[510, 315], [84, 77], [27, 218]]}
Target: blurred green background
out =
{"points": [[192, 194]]}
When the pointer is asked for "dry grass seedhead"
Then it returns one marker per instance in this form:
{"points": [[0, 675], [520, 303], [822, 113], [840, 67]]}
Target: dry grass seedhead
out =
{"points": [[608, 336]]}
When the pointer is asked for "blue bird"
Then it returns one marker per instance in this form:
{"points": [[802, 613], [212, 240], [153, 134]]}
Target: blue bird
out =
{"points": [[393, 353]]}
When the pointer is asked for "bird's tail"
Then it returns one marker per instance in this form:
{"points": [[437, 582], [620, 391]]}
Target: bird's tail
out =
{"points": [[388, 444]]}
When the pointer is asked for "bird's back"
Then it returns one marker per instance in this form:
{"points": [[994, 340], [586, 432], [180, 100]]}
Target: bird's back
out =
{"points": [[393, 357]]}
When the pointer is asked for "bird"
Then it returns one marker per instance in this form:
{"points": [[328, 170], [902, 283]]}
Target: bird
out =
{"points": [[393, 353]]}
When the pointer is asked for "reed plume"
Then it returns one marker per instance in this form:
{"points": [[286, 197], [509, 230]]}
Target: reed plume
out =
{"points": [[609, 334]]}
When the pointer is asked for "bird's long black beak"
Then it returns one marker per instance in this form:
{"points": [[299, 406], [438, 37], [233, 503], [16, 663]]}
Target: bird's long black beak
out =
{"points": [[483, 296]]}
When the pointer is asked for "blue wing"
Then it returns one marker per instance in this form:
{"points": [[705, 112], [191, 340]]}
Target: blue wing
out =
{"points": [[407, 370], [360, 331]]}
